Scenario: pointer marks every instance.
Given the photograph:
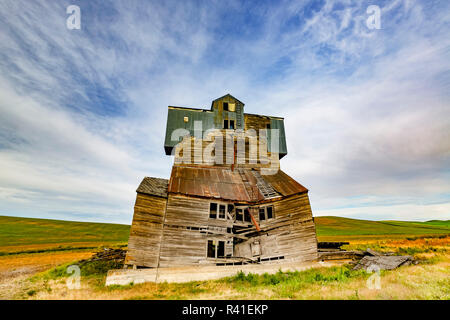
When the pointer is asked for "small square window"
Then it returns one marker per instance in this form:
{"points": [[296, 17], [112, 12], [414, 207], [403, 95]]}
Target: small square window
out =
{"points": [[186, 119], [232, 107]]}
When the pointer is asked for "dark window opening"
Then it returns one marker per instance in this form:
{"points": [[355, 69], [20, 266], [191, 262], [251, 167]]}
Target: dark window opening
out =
{"points": [[230, 208], [216, 249], [211, 249], [231, 124], [239, 215], [222, 211], [262, 214], [268, 126], [269, 212], [213, 210], [225, 124], [221, 249], [225, 106], [247, 215]]}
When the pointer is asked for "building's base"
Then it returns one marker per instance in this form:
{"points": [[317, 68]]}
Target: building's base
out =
{"points": [[200, 273]]}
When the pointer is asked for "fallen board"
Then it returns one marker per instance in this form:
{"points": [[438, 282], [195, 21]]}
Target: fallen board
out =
{"points": [[374, 263]]}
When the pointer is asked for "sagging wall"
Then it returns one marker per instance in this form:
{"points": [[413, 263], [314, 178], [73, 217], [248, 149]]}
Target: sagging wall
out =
{"points": [[146, 231], [291, 234], [181, 239]]}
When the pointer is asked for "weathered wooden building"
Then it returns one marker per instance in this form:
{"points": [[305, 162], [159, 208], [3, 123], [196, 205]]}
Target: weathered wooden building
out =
{"points": [[229, 206]]}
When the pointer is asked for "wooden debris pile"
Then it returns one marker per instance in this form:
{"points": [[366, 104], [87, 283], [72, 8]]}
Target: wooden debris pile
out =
{"points": [[333, 251], [107, 254], [374, 260], [368, 260]]}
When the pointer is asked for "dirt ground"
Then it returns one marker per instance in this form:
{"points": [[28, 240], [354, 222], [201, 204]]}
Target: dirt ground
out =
{"points": [[15, 269]]}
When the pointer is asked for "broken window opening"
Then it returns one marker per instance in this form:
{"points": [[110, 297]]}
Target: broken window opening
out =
{"points": [[225, 124], [231, 124], [216, 249], [225, 106]]}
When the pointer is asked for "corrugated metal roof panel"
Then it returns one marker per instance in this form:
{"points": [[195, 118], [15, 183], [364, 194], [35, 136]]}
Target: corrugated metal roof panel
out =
{"points": [[223, 183]]}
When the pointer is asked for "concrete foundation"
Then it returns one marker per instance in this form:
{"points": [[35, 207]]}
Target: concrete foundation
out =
{"points": [[200, 273]]}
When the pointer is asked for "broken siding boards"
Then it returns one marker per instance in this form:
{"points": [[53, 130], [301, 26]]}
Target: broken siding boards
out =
{"points": [[296, 239], [146, 231], [291, 234]]}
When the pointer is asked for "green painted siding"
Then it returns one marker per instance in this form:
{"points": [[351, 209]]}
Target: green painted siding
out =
{"points": [[278, 124], [213, 119]]}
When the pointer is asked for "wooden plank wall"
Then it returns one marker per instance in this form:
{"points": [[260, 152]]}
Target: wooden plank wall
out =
{"points": [[187, 228], [295, 231], [180, 244], [146, 231]]}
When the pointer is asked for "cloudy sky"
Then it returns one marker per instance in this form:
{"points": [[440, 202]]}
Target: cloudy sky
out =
{"points": [[367, 111]]}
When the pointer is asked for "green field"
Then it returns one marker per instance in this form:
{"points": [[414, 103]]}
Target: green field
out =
{"points": [[27, 234], [337, 228], [21, 234]]}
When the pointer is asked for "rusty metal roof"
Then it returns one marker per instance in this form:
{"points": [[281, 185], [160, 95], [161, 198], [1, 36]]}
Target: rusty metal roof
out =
{"points": [[239, 185]]}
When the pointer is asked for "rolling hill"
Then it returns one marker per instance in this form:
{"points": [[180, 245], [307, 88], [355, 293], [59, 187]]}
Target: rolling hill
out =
{"points": [[29, 234]]}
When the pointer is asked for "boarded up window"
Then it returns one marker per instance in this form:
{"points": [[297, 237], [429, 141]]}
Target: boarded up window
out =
{"points": [[231, 107]]}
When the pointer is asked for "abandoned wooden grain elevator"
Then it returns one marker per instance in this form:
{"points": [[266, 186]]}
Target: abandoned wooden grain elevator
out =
{"points": [[231, 203]]}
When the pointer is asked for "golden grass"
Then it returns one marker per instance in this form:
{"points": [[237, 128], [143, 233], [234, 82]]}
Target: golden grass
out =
{"points": [[427, 280], [410, 282]]}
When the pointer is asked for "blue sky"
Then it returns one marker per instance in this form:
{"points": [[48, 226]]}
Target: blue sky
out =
{"points": [[367, 111]]}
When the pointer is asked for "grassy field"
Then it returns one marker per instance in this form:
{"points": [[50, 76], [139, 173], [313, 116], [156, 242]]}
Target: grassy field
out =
{"points": [[337, 228], [26, 234], [35, 235], [429, 279], [36, 253]]}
